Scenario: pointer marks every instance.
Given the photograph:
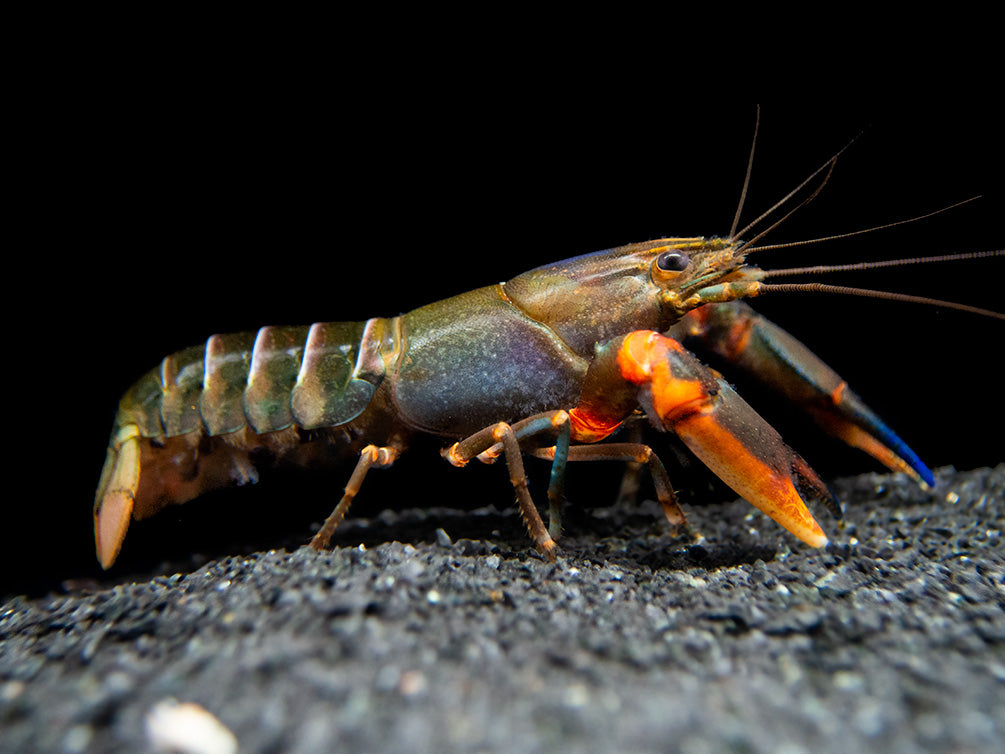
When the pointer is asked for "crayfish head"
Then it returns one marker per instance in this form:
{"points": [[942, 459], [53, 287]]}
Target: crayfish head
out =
{"points": [[594, 297], [691, 272]]}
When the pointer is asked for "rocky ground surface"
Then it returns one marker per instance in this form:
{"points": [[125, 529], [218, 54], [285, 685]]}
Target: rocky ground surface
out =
{"points": [[890, 640]]}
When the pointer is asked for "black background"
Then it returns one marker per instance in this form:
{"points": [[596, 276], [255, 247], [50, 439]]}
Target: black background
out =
{"points": [[165, 212]]}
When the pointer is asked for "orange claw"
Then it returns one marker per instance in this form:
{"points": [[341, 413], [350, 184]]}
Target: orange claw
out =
{"points": [[723, 431], [758, 476]]}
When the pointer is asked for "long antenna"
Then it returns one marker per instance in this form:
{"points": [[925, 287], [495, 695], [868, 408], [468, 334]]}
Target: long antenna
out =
{"points": [[867, 293], [856, 266]]}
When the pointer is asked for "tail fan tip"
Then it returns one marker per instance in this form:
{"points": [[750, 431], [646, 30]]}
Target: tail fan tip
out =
{"points": [[111, 521]]}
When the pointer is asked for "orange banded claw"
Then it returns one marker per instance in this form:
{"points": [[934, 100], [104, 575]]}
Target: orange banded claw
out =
{"points": [[742, 449]]}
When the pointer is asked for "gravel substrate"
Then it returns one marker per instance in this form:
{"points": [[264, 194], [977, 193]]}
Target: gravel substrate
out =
{"points": [[892, 639]]}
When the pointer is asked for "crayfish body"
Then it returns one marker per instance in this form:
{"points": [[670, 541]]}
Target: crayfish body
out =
{"points": [[549, 363]]}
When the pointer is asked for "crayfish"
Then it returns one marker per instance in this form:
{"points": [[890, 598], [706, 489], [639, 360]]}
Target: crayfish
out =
{"points": [[548, 363]]}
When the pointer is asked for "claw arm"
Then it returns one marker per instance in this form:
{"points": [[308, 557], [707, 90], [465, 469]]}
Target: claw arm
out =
{"points": [[683, 396], [760, 348]]}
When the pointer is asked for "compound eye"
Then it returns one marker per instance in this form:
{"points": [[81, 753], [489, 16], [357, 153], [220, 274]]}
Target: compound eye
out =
{"points": [[673, 261]]}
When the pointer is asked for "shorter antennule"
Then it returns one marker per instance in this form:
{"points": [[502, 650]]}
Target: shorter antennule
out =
{"points": [[792, 244]]}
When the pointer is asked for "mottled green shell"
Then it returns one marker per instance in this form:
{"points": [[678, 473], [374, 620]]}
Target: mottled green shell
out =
{"points": [[268, 381]]}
